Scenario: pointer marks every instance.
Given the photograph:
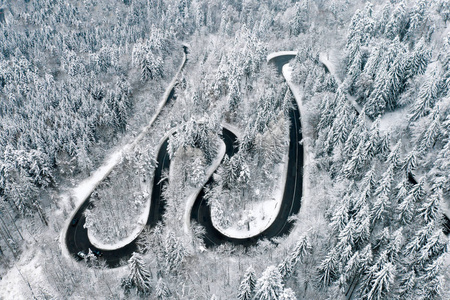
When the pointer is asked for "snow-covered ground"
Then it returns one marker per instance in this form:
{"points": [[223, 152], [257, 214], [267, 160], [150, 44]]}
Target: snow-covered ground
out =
{"points": [[392, 120], [255, 219], [14, 285]]}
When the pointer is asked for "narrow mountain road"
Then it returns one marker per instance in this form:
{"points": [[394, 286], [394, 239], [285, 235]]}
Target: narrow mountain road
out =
{"points": [[76, 236], [77, 239]]}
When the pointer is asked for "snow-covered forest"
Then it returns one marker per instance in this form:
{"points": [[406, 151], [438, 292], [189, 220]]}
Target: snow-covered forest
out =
{"points": [[170, 149]]}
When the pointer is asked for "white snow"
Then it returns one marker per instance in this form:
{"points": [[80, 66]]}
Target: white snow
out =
{"points": [[257, 218], [394, 119], [28, 269], [328, 58]]}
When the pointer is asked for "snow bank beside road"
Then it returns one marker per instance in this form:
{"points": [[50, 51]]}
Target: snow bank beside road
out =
{"points": [[308, 209]]}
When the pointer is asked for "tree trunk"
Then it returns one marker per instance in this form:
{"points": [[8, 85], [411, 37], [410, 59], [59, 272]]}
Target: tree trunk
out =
{"points": [[14, 222], [7, 244]]}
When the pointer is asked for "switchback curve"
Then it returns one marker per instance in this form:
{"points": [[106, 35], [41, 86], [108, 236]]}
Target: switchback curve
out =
{"points": [[76, 237]]}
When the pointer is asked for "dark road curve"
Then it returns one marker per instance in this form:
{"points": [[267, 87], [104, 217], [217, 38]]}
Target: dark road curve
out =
{"points": [[291, 201], [77, 239]]}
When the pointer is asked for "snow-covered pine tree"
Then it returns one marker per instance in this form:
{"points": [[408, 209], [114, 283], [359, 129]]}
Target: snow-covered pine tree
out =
{"points": [[269, 286], [175, 252], [394, 156], [443, 8], [327, 270], [428, 94], [139, 276], [354, 36], [419, 58], [419, 16], [198, 171], [357, 134], [298, 23], [382, 281], [387, 179], [407, 207], [396, 27], [162, 291], [346, 241], [376, 104], [354, 72], [410, 162], [408, 285], [341, 126], [340, 216], [301, 249], [441, 168], [288, 294], [429, 208], [234, 95], [396, 74], [247, 286], [358, 159], [363, 227], [430, 136], [430, 281], [373, 141]]}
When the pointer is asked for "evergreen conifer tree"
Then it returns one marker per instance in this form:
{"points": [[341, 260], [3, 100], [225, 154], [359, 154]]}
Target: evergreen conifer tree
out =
{"points": [[139, 276], [161, 290], [269, 286], [247, 286]]}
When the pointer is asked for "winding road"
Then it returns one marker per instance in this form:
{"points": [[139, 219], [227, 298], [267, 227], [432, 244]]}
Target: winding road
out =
{"points": [[291, 201], [76, 237]]}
